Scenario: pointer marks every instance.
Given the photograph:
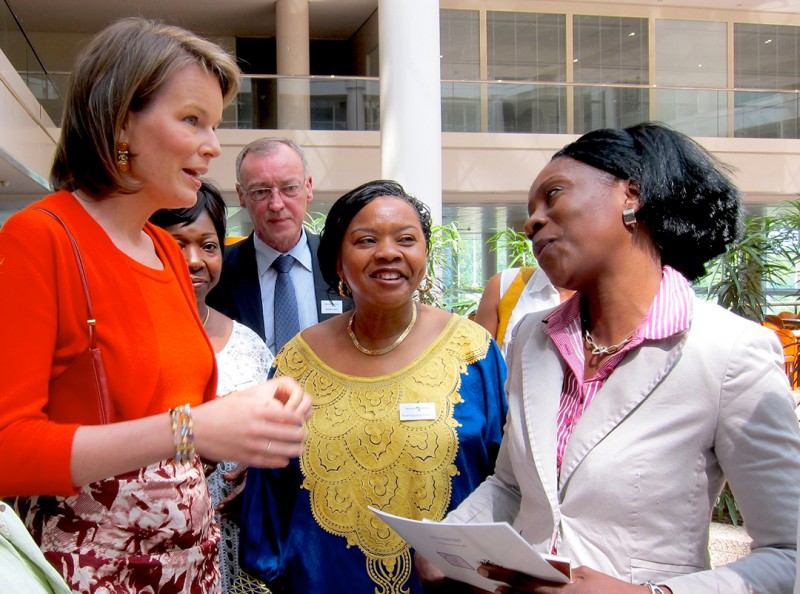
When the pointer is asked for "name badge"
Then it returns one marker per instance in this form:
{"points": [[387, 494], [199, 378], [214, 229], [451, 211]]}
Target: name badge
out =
{"points": [[330, 306], [421, 411]]}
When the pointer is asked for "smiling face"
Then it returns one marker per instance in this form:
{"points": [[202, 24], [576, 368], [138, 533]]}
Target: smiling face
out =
{"points": [[575, 221], [201, 249], [384, 255], [172, 141], [278, 219]]}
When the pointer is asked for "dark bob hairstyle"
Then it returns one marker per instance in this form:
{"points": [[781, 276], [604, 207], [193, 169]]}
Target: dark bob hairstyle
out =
{"points": [[346, 208], [209, 199], [687, 201]]}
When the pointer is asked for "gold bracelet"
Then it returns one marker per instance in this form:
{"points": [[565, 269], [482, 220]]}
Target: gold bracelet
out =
{"points": [[183, 434]]}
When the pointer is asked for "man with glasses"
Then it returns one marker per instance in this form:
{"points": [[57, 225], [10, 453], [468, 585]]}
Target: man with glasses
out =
{"points": [[271, 281]]}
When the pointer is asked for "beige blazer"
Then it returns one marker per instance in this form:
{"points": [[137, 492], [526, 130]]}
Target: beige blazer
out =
{"points": [[647, 459]]}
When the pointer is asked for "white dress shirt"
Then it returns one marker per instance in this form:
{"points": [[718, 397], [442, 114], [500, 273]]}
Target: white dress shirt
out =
{"points": [[537, 295]]}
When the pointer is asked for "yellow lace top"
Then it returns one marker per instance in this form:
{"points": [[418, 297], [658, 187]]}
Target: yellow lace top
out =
{"points": [[358, 452]]}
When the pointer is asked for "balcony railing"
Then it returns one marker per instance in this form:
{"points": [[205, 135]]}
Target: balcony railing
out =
{"points": [[17, 48], [353, 103]]}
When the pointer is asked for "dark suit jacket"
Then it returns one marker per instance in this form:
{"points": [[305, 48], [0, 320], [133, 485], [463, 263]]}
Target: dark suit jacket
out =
{"points": [[238, 293]]}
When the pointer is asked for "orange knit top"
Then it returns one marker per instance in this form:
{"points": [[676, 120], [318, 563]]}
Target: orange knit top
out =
{"points": [[155, 351]]}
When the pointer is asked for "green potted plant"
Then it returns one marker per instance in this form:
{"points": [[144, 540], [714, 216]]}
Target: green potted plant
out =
{"points": [[449, 292], [762, 258], [517, 246]]}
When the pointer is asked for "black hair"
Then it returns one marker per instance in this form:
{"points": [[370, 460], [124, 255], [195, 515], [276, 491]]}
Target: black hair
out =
{"points": [[209, 199], [687, 201], [347, 207]]}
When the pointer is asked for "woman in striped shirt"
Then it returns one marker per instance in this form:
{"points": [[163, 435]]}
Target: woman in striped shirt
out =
{"points": [[631, 404]]}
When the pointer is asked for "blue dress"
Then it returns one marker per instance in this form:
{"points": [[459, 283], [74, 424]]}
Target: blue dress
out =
{"points": [[307, 529]]}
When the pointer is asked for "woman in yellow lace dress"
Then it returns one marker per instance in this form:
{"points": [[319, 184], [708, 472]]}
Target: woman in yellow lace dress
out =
{"points": [[408, 411]]}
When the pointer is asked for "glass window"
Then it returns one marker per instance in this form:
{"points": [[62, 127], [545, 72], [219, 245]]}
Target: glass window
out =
{"points": [[526, 47], [459, 39], [459, 36], [692, 54], [766, 56], [610, 50], [766, 60]]}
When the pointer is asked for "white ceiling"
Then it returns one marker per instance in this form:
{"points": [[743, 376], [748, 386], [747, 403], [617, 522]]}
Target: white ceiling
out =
{"points": [[329, 19]]}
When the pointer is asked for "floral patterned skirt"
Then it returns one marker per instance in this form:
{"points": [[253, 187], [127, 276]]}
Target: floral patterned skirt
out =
{"points": [[150, 531]]}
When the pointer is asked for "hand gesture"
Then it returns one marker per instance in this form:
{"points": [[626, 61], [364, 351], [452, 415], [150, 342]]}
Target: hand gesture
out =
{"points": [[584, 581], [434, 581], [260, 426]]}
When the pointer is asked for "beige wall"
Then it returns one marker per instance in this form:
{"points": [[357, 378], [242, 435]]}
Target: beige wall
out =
{"points": [[27, 138], [498, 168]]}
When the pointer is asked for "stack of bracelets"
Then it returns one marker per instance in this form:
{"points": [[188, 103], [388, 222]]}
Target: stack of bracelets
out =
{"points": [[183, 434]]}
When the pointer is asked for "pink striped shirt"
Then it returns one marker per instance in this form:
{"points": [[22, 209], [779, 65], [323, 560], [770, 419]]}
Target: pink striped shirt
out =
{"points": [[668, 315]]}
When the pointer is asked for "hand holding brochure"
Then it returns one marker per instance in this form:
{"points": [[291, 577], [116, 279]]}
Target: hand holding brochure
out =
{"points": [[458, 549]]}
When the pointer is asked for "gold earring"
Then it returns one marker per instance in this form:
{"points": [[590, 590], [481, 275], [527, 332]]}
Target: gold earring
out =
{"points": [[344, 290], [426, 285], [122, 157]]}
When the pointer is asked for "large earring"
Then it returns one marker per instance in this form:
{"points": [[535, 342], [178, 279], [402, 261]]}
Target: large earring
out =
{"points": [[344, 290], [426, 285], [122, 157], [629, 217]]}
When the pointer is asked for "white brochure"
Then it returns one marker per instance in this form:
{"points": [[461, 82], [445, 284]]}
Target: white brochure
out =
{"points": [[458, 550]]}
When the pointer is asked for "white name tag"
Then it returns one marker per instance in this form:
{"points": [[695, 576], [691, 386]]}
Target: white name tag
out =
{"points": [[421, 411], [330, 306]]}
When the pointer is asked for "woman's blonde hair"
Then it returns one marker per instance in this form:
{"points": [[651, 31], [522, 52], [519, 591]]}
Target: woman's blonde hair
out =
{"points": [[122, 70]]}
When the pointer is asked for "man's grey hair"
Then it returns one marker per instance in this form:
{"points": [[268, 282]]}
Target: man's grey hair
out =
{"points": [[265, 146]]}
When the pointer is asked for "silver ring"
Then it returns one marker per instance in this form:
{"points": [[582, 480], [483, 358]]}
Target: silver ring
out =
{"points": [[269, 445]]}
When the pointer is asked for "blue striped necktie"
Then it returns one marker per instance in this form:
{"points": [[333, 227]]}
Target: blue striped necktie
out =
{"points": [[286, 322]]}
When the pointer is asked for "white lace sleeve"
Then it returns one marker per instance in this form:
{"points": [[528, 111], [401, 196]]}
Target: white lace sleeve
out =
{"points": [[244, 361]]}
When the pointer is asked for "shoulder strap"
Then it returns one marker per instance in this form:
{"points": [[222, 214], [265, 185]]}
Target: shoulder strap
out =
{"points": [[100, 384], [509, 301]]}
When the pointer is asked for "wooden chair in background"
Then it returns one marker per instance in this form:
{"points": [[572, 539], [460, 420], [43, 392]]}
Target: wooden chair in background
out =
{"points": [[791, 347]]}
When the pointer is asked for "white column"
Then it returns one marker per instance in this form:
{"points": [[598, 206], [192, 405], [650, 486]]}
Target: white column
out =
{"points": [[292, 53], [411, 98]]}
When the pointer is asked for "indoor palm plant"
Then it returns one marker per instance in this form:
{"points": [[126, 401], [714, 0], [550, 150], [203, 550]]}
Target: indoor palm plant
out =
{"points": [[764, 257]]}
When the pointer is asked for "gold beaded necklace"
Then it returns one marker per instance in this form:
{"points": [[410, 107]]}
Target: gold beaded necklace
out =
{"points": [[384, 350]]}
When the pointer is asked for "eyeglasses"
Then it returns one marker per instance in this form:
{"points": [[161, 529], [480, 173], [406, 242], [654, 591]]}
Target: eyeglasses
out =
{"points": [[287, 191]]}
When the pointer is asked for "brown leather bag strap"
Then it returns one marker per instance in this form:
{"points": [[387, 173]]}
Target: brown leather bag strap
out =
{"points": [[101, 386]]}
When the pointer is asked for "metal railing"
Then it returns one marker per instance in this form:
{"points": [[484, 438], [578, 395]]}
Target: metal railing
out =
{"points": [[17, 48], [353, 103]]}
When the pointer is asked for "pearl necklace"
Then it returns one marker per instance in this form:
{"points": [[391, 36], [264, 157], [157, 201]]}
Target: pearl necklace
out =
{"points": [[599, 349], [384, 350]]}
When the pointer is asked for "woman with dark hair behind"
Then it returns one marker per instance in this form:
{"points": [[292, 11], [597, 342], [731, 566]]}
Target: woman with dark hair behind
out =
{"points": [[243, 359], [108, 399], [632, 403], [408, 411]]}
